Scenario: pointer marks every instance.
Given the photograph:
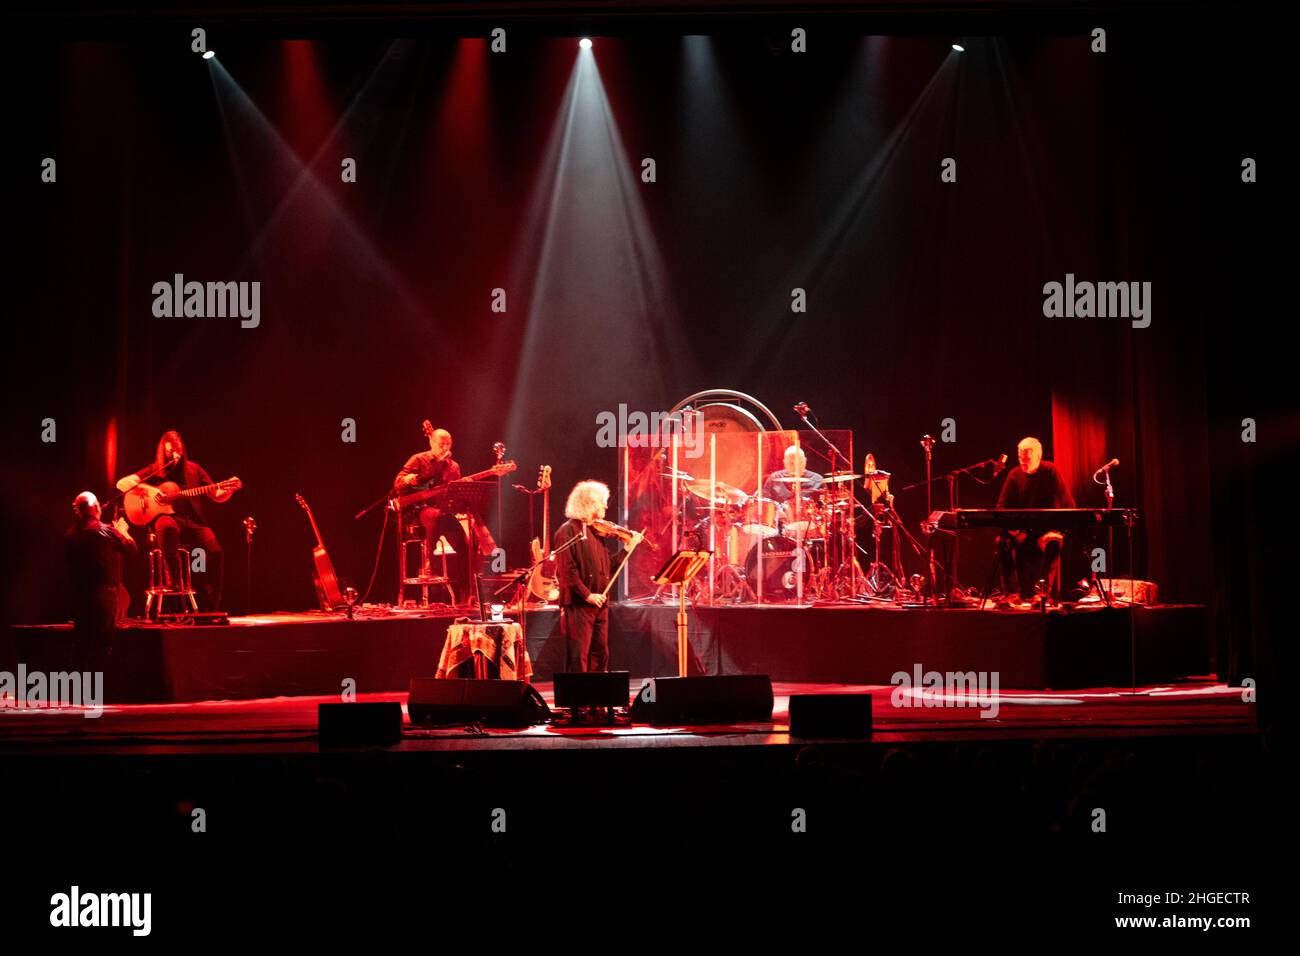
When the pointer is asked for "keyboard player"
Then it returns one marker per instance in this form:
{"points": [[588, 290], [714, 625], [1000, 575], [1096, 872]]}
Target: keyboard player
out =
{"points": [[1032, 555]]}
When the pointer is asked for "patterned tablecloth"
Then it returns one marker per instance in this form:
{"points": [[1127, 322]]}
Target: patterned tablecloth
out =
{"points": [[493, 651]]}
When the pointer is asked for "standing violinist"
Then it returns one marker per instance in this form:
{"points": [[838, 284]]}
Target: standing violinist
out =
{"points": [[583, 571]]}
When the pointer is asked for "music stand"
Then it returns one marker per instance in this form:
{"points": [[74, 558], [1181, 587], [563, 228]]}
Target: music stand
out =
{"points": [[680, 570]]}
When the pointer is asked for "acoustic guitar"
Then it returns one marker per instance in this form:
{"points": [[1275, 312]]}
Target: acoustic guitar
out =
{"points": [[327, 582], [145, 502]]}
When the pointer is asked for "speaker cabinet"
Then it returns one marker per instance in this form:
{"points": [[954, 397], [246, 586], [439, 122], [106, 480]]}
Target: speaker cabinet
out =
{"points": [[612, 689], [492, 703], [830, 715], [359, 724], [730, 699]]}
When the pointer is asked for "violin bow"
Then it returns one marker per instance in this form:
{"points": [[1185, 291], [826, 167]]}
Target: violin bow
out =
{"points": [[614, 577]]}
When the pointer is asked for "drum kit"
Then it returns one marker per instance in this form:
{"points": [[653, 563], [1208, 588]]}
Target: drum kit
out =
{"points": [[769, 550]]}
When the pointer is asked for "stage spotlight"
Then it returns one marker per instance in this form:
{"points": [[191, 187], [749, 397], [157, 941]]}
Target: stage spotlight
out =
{"points": [[209, 54], [585, 43], [959, 48]]}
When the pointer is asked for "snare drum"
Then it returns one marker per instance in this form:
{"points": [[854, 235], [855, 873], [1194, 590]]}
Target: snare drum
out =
{"points": [[759, 517]]}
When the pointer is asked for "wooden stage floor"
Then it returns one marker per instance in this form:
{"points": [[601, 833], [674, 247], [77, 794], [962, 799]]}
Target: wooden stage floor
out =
{"points": [[288, 724]]}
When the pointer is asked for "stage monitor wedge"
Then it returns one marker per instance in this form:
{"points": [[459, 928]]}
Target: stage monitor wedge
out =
{"points": [[830, 715], [492, 703], [359, 724], [593, 689], [728, 699]]}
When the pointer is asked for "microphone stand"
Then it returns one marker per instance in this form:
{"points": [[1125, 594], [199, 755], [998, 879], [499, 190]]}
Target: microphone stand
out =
{"points": [[530, 492], [851, 532], [1110, 540], [249, 527], [829, 444], [951, 478], [1110, 546], [382, 499]]}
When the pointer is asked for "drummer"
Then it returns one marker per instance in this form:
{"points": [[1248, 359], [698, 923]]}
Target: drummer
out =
{"points": [[780, 487]]}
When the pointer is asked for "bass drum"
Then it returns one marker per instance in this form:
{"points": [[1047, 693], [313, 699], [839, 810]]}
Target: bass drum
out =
{"points": [[782, 560]]}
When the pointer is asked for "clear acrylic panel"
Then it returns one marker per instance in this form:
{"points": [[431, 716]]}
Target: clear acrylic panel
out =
{"points": [[780, 529]]}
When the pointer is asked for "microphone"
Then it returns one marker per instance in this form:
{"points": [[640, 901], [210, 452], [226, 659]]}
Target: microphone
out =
{"points": [[1000, 466], [927, 442], [801, 409], [1107, 467]]}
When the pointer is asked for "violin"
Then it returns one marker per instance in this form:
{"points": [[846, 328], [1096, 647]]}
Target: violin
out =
{"points": [[608, 529]]}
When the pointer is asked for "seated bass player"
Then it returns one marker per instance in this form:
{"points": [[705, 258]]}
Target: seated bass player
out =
{"points": [[430, 469]]}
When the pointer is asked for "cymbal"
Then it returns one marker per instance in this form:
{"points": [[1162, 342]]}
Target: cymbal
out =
{"points": [[875, 475], [844, 477], [723, 493], [797, 480], [680, 475]]}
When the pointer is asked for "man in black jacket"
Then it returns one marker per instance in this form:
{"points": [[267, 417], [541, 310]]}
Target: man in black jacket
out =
{"points": [[94, 553], [583, 571]]}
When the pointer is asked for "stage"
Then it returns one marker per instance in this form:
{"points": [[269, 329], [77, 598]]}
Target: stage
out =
{"points": [[305, 654], [634, 800], [812, 313], [288, 724]]}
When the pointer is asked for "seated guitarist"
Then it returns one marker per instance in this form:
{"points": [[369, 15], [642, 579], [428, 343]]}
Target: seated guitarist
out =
{"points": [[429, 469], [188, 526]]}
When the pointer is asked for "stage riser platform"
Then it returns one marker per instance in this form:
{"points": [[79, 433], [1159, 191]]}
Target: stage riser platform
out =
{"points": [[870, 644], [306, 654]]}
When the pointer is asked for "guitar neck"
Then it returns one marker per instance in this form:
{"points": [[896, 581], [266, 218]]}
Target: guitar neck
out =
{"points": [[320, 542], [546, 520], [200, 490]]}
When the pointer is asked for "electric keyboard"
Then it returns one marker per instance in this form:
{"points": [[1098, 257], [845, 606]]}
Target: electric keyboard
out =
{"points": [[1045, 519]]}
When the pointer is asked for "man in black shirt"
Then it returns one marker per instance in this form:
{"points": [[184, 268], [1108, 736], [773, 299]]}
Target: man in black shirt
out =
{"points": [[430, 469], [795, 506], [187, 525], [1033, 484], [94, 558], [796, 466], [583, 571]]}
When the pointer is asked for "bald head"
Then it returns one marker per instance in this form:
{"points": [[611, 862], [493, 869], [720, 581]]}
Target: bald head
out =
{"points": [[440, 442], [795, 460], [86, 505]]}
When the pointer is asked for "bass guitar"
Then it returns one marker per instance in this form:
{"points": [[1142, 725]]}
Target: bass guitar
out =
{"points": [[436, 494], [542, 583]]}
